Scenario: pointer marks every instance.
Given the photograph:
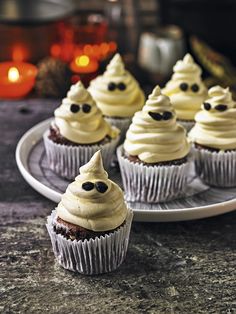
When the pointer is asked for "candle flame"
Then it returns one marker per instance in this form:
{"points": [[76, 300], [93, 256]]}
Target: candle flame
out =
{"points": [[82, 60], [13, 74]]}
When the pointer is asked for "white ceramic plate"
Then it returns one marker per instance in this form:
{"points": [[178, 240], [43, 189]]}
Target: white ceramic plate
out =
{"points": [[199, 201]]}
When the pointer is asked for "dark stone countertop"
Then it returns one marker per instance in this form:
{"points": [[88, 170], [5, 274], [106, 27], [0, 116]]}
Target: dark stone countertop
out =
{"points": [[185, 267]]}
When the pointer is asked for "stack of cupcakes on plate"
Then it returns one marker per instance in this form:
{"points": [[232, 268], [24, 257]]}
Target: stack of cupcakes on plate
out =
{"points": [[154, 158], [77, 132], [186, 90], [214, 139], [90, 227], [117, 94]]}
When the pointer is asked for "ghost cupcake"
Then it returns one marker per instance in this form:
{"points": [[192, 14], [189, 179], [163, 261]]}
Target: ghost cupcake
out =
{"points": [[117, 94], [214, 139], [90, 227], [186, 90], [77, 132], [154, 158]]}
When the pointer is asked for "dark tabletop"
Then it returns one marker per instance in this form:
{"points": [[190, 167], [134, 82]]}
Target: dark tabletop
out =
{"points": [[184, 267]]}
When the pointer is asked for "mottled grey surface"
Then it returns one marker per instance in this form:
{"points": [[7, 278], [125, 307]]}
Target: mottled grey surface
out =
{"points": [[184, 267]]}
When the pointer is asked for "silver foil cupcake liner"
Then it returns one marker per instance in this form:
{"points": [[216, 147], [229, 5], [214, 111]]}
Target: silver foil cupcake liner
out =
{"points": [[90, 257], [216, 168], [152, 184], [188, 125], [120, 123], [66, 160]]}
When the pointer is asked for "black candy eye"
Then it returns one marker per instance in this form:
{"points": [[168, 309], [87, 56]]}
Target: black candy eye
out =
{"points": [[121, 86], [207, 106], [111, 86], [88, 186], [74, 108], [183, 86], [101, 187], [221, 107], [195, 88], [167, 115], [86, 108], [155, 115]]}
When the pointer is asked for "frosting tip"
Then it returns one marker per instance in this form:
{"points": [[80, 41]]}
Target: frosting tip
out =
{"points": [[78, 84], [95, 165], [117, 57], [156, 91], [188, 58], [97, 158]]}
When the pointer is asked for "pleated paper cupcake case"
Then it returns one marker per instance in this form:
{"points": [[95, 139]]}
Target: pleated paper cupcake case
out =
{"points": [[94, 256], [151, 184], [66, 160], [216, 168]]}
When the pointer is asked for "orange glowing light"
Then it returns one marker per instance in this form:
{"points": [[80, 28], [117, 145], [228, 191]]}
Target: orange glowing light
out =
{"points": [[13, 74], [84, 64], [75, 78], [19, 53], [82, 61], [96, 51], [16, 79], [88, 49], [104, 47], [55, 50], [113, 46]]}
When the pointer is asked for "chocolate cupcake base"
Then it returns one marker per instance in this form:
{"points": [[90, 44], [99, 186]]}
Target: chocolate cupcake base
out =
{"points": [[94, 256], [74, 232], [66, 160], [152, 184], [215, 168], [56, 137], [164, 163]]}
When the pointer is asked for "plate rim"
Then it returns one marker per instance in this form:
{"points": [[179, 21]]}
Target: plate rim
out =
{"points": [[144, 215]]}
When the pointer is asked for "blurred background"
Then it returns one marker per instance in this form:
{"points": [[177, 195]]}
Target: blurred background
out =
{"points": [[68, 40]]}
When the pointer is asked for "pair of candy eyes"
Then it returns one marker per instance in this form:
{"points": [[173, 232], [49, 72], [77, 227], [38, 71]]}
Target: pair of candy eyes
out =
{"points": [[184, 87], [76, 108], [112, 86], [166, 115], [100, 186], [220, 107]]}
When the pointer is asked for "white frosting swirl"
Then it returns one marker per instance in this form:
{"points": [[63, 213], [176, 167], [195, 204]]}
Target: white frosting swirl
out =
{"points": [[117, 103], [81, 127], [156, 141], [93, 210], [214, 128], [186, 103]]}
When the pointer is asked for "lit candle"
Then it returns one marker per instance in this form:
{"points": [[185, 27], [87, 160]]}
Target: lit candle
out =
{"points": [[84, 64], [13, 74], [16, 79]]}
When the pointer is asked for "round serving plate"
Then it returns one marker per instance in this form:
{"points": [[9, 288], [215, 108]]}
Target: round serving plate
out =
{"points": [[198, 201]]}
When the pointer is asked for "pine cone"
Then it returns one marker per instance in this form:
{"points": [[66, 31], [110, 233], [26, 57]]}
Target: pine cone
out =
{"points": [[53, 79]]}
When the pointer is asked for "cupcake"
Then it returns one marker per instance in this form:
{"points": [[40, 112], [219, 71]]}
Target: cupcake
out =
{"points": [[186, 90], [90, 227], [214, 139], [117, 94], [77, 132], [154, 159]]}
